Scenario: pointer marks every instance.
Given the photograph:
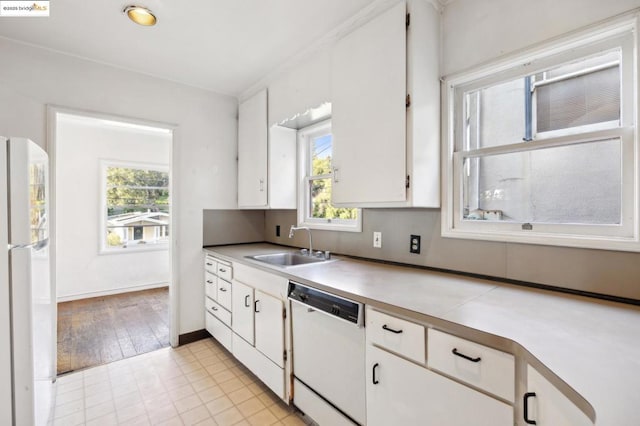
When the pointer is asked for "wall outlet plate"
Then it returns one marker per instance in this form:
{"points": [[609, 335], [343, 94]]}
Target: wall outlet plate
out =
{"points": [[277, 230], [377, 239], [414, 244]]}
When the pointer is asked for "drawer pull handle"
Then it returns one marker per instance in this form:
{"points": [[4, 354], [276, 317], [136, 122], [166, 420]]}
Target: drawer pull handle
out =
{"points": [[373, 373], [468, 358], [222, 270], [209, 282], [526, 408], [255, 306], [384, 327], [223, 289], [213, 308], [209, 264], [246, 301]]}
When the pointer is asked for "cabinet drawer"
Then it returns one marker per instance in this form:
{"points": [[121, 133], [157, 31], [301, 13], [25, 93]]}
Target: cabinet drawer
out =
{"points": [[224, 270], [218, 330], [218, 311], [210, 264], [210, 285], [478, 365], [397, 335], [224, 294]]}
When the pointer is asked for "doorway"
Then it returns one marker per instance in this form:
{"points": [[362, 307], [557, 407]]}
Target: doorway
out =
{"points": [[112, 222]]}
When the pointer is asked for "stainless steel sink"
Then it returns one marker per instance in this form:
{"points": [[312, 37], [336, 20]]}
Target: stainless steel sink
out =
{"points": [[287, 259]]}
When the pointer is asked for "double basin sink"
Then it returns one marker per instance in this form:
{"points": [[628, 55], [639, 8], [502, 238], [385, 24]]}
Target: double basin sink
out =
{"points": [[288, 259]]}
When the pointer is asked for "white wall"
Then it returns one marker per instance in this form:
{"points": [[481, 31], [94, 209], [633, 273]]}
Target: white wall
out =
{"points": [[81, 145], [204, 155], [476, 31]]}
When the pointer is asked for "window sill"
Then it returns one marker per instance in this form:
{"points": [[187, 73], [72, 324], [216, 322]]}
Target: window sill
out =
{"points": [[135, 248]]}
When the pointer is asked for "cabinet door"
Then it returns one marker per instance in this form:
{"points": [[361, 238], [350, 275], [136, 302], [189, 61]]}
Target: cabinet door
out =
{"points": [[282, 168], [242, 311], [549, 406], [269, 327], [252, 151], [369, 111], [402, 393]]}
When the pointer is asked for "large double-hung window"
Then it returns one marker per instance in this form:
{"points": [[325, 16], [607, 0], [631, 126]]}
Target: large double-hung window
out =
{"points": [[543, 148]]}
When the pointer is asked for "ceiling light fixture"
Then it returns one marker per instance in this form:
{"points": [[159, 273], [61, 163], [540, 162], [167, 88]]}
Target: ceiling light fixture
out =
{"points": [[140, 15]]}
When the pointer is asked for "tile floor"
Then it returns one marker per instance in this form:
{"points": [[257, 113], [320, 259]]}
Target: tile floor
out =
{"points": [[196, 384]]}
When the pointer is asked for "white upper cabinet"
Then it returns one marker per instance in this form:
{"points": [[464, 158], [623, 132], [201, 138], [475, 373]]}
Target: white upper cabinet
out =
{"points": [[252, 152], [368, 108], [386, 110], [266, 158]]}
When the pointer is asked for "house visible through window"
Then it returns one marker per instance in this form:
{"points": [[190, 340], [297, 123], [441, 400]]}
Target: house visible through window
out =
{"points": [[314, 207], [546, 156], [137, 205]]}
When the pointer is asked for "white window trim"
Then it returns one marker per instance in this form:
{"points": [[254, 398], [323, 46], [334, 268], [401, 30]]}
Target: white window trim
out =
{"points": [[579, 44], [304, 160], [103, 249]]}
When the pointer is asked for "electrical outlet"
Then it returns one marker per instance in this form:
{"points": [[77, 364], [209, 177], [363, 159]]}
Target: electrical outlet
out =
{"points": [[414, 244], [277, 230], [377, 239]]}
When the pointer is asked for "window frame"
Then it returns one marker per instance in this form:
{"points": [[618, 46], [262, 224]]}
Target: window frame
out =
{"points": [[617, 33], [103, 248], [304, 138]]}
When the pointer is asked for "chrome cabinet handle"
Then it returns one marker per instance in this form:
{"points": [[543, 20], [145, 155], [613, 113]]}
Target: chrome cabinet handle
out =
{"points": [[209, 264], [246, 301], [336, 174], [222, 270], [222, 289], [213, 308], [209, 282]]}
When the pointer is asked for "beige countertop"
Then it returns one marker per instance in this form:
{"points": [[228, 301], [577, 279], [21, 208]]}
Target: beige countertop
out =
{"points": [[592, 345]]}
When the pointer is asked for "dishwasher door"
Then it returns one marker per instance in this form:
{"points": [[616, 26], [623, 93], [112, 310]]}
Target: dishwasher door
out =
{"points": [[329, 357]]}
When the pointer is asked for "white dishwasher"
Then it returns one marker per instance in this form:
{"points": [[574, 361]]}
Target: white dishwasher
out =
{"points": [[328, 356]]}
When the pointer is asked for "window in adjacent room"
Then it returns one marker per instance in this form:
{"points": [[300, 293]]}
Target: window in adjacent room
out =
{"points": [[543, 148], [314, 202], [136, 203]]}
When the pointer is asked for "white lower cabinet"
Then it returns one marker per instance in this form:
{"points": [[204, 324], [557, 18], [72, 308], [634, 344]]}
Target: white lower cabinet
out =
{"points": [[545, 405], [269, 330], [258, 334], [242, 308], [400, 392]]}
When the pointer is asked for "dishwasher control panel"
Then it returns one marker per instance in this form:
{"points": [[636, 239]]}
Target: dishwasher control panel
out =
{"points": [[337, 306]]}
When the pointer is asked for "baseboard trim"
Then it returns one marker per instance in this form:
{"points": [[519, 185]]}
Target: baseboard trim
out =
{"points": [[110, 292], [193, 336]]}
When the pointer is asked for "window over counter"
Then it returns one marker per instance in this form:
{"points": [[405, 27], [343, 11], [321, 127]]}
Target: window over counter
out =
{"points": [[314, 201], [136, 207], [542, 148]]}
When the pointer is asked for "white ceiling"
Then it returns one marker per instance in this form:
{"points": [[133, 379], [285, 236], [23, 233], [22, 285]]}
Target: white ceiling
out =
{"points": [[220, 45]]}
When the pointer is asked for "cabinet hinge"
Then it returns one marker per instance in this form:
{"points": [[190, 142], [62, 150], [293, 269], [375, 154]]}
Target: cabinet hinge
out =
{"points": [[408, 20], [408, 101], [284, 354], [408, 181]]}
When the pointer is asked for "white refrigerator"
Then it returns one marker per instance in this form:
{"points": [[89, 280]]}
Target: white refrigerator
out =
{"points": [[27, 298]]}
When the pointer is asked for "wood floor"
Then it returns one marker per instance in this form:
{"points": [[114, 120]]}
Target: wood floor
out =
{"points": [[104, 329]]}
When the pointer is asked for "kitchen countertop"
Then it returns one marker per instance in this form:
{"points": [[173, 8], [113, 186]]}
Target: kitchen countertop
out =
{"points": [[592, 345]]}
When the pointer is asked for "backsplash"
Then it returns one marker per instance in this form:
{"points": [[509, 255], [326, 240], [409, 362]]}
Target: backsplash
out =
{"points": [[610, 273]]}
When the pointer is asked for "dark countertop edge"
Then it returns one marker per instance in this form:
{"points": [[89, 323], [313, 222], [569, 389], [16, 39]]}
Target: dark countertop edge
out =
{"points": [[548, 287]]}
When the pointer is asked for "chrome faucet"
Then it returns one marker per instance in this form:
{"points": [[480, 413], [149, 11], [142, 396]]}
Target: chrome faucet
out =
{"points": [[292, 231]]}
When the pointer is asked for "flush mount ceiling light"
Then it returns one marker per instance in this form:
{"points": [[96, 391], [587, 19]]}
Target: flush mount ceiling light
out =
{"points": [[140, 15]]}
